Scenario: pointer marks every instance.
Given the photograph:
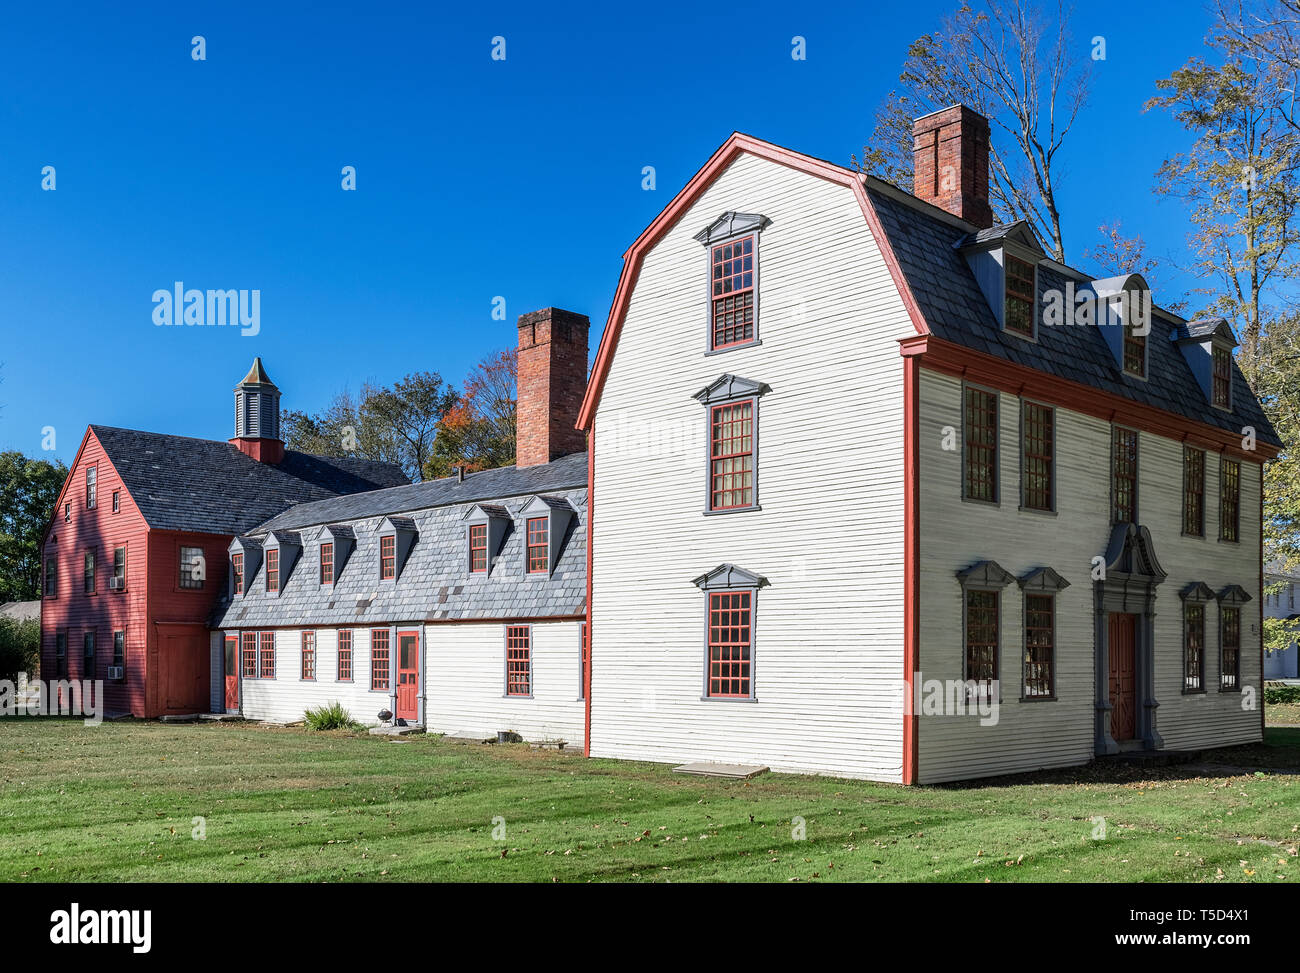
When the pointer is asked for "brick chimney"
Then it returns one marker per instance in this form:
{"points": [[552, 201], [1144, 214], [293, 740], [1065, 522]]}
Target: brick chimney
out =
{"points": [[552, 381], [950, 150]]}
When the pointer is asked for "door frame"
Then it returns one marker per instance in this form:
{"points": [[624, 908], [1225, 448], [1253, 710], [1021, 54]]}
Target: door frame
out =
{"points": [[238, 674], [1111, 618], [395, 664]]}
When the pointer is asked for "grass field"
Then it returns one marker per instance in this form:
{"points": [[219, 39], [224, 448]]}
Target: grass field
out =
{"points": [[118, 802]]}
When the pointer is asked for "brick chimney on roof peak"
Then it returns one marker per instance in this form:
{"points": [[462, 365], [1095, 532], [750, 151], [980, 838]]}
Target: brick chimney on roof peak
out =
{"points": [[552, 382], [950, 155]]}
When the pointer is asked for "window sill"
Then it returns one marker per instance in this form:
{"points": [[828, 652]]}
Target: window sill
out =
{"points": [[731, 510], [516, 695], [981, 503], [726, 348], [1196, 537], [1193, 692], [1032, 338], [728, 699], [1037, 510], [1038, 699]]}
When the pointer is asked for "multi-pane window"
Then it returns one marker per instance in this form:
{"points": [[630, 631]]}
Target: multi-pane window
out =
{"points": [[88, 656], [1229, 648], [117, 501], [1040, 644], [118, 583], [982, 639], [1020, 297], [980, 481], [379, 675], [1229, 499], [273, 570], [193, 570], [1135, 352], [308, 670], [88, 573], [1193, 491], [51, 577], [91, 477], [733, 293], [519, 660], [1038, 431], [1123, 476], [731, 450], [582, 662], [478, 547], [119, 652], [344, 673], [267, 660], [1193, 648], [388, 557], [61, 655], [538, 544], [1221, 378], [731, 630], [249, 653], [327, 564], [237, 564]]}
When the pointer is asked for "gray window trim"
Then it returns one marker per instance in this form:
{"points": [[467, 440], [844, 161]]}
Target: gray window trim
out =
{"points": [[987, 576], [1040, 581], [724, 390], [730, 578], [1024, 255], [730, 226], [1196, 593], [499, 523], [1024, 406]]}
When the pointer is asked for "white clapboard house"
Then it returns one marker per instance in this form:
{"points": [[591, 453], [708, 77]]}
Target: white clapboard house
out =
{"points": [[865, 464]]}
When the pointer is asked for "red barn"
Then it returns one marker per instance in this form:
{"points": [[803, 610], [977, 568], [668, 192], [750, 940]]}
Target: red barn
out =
{"points": [[135, 557]]}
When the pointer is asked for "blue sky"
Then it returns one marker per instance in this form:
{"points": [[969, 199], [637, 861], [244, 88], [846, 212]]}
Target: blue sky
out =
{"points": [[476, 178]]}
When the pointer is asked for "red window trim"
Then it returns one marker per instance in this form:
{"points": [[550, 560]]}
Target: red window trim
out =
{"points": [[748, 474], [388, 557], [724, 303], [729, 628], [478, 551], [343, 646], [381, 677], [519, 661], [538, 533], [237, 565], [248, 655], [266, 651], [327, 563], [273, 571], [307, 669]]}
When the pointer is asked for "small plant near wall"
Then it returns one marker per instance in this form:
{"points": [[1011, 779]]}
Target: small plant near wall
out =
{"points": [[331, 717]]}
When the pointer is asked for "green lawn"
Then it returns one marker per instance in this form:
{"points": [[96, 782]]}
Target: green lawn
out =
{"points": [[116, 803], [1282, 713]]}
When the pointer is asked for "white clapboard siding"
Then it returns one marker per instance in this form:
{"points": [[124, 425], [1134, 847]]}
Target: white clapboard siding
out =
{"points": [[955, 534], [829, 630], [465, 682], [285, 698]]}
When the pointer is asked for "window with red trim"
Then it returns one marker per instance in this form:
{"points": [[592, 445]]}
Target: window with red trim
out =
{"points": [[237, 564], [344, 673], [1124, 476], [478, 547], [733, 293], [1221, 383], [267, 659], [731, 450], [273, 570], [731, 626], [981, 442], [327, 564], [539, 552], [250, 655], [519, 661], [388, 557], [1229, 500], [308, 655], [379, 674]]}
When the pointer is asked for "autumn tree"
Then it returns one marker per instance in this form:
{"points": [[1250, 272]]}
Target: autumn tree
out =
{"points": [[29, 488], [1018, 67], [478, 433]]}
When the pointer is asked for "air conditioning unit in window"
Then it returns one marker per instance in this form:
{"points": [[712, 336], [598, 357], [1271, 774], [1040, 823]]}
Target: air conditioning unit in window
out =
{"points": [[115, 672], [116, 584]]}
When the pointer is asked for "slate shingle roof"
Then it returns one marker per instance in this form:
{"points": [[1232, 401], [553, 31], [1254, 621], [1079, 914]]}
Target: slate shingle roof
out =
{"points": [[208, 486], [434, 583], [955, 310]]}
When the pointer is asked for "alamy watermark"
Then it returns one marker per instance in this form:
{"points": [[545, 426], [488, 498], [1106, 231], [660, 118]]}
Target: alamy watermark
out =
{"points": [[57, 697], [191, 307]]}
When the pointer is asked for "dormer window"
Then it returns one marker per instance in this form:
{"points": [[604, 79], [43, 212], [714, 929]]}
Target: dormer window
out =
{"points": [[327, 563], [388, 557], [1135, 352], [282, 551], [538, 545], [486, 526], [246, 555], [477, 548], [1221, 377], [272, 570], [1018, 312], [237, 565], [732, 242], [546, 524], [396, 538]]}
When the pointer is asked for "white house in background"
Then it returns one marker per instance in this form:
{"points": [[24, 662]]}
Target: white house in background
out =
{"points": [[846, 450], [1281, 603]]}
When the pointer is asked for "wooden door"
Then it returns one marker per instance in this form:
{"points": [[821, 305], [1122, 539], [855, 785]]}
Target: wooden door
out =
{"points": [[1123, 689], [408, 675], [232, 674], [185, 671]]}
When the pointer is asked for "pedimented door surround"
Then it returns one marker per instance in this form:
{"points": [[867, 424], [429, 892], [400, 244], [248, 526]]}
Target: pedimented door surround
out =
{"points": [[1129, 588]]}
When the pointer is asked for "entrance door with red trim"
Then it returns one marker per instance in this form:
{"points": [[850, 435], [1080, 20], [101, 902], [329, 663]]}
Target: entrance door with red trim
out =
{"points": [[408, 675], [1123, 688], [232, 673]]}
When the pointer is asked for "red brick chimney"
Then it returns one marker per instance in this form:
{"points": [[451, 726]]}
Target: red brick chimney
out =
{"points": [[552, 380], [950, 151]]}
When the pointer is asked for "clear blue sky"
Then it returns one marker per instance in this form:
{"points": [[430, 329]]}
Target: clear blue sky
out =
{"points": [[476, 178]]}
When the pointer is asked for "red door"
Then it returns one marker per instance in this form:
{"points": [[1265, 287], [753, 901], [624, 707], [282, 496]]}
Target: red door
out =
{"points": [[232, 674], [408, 675], [1123, 694]]}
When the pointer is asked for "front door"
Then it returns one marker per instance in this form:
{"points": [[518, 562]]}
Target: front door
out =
{"points": [[408, 675], [1123, 690], [232, 674]]}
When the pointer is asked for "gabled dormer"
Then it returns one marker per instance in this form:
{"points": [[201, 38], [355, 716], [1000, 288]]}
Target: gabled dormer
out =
{"points": [[1207, 345], [1121, 308], [280, 553], [396, 538], [1004, 260], [486, 526], [245, 558], [546, 522], [334, 545]]}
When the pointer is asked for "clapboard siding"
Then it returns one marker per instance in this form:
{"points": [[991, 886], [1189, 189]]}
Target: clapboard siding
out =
{"points": [[465, 682], [828, 644], [955, 534], [285, 698]]}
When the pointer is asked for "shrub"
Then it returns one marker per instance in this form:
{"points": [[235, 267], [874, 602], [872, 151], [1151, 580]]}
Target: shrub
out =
{"points": [[20, 647], [331, 717], [1282, 694]]}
